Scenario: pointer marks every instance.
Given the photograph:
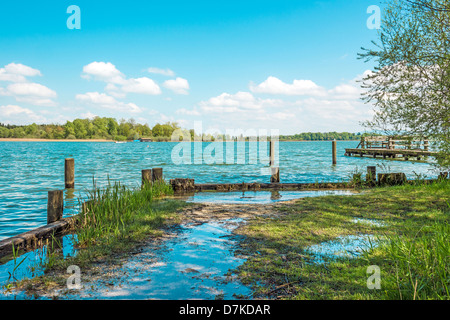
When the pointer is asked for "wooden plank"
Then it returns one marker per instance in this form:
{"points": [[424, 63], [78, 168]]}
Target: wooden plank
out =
{"points": [[35, 238]]}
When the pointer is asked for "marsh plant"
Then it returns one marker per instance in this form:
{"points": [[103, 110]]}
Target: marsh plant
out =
{"points": [[117, 212]]}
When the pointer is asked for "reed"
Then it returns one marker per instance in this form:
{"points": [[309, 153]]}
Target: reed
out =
{"points": [[117, 211], [421, 268]]}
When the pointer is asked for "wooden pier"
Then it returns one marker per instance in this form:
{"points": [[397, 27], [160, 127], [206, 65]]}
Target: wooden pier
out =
{"points": [[391, 147]]}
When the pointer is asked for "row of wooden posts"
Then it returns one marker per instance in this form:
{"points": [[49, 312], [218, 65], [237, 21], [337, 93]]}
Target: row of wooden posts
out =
{"points": [[55, 203]]}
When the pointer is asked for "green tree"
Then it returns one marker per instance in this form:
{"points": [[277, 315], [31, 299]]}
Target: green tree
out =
{"points": [[112, 127], [410, 85]]}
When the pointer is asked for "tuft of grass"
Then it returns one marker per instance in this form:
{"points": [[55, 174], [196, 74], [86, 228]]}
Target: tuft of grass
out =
{"points": [[116, 219], [117, 212], [420, 267]]}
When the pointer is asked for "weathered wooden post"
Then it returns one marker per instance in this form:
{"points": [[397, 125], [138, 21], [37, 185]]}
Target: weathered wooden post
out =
{"points": [[371, 176], [274, 175], [146, 176], [272, 153], [55, 205], [334, 151], [157, 174], [443, 175], [69, 173], [274, 171]]}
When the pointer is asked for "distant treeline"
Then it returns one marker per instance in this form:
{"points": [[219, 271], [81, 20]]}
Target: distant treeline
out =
{"points": [[111, 129], [322, 136], [97, 128]]}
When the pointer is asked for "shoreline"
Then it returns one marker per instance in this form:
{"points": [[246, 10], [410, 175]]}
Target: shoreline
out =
{"points": [[104, 140], [51, 140]]}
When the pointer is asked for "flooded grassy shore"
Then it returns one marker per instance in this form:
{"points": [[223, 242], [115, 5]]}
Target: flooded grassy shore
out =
{"points": [[308, 248]]}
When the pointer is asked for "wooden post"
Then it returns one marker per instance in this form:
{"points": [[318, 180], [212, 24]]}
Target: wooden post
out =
{"points": [[275, 175], [425, 145], [272, 153], [334, 151], [157, 174], [443, 175], [55, 205], [146, 176], [371, 176], [69, 173]]}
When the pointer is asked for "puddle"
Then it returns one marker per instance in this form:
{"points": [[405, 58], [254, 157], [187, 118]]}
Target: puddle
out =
{"points": [[350, 246], [31, 264], [192, 264], [259, 197], [372, 222]]}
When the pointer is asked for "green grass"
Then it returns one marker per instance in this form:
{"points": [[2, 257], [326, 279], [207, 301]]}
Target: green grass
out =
{"points": [[413, 256]]}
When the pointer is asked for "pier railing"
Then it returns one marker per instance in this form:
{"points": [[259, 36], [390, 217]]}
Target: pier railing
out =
{"points": [[392, 143]]}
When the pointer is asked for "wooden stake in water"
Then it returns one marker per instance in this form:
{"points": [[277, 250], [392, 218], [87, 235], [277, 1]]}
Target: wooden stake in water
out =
{"points": [[146, 176], [69, 173], [157, 174], [334, 151], [275, 175], [272, 153], [55, 205], [371, 176]]}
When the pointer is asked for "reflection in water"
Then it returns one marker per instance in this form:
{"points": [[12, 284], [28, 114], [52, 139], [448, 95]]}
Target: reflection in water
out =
{"points": [[192, 265], [32, 264], [258, 197], [275, 195], [349, 246]]}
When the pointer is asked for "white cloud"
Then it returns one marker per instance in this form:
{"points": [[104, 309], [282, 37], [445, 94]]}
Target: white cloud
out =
{"points": [[117, 84], [345, 91], [241, 101], [32, 93], [141, 85], [164, 72], [273, 85], [18, 115], [107, 102], [16, 72], [88, 115], [20, 69], [185, 111], [178, 85], [30, 89], [104, 71], [96, 98]]}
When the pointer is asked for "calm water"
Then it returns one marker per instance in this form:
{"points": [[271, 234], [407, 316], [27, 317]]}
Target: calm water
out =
{"points": [[29, 169]]}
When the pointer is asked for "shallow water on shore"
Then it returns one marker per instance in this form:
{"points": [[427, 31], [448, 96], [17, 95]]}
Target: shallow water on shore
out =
{"points": [[259, 197], [192, 264], [350, 246], [32, 263]]}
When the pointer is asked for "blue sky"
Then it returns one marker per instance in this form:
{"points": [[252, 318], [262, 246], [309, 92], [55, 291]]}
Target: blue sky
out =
{"points": [[287, 65]]}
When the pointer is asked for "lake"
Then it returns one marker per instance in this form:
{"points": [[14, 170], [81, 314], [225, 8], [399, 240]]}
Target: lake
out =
{"points": [[29, 169]]}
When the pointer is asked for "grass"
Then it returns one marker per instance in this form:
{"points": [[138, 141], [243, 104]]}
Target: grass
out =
{"points": [[413, 254]]}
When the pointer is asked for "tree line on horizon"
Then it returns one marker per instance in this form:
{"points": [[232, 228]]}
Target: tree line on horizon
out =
{"points": [[122, 130]]}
